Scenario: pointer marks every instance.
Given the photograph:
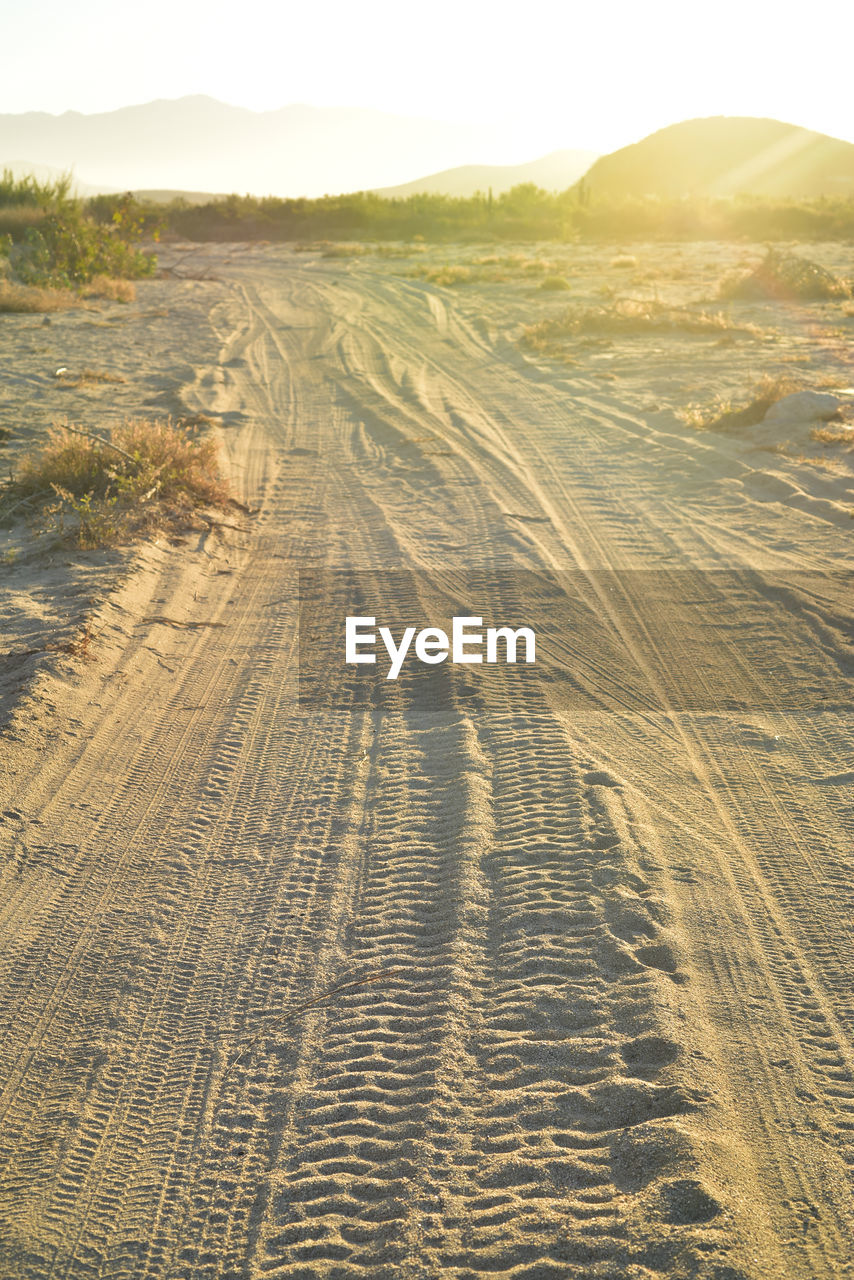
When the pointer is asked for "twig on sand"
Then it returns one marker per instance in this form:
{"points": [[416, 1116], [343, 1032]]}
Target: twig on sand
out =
{"points": [[219, 524], [283, 1019], [174, 622], [241, 506], [28, 501], [108, 444]]}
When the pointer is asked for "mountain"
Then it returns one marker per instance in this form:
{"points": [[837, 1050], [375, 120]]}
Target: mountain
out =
{"points": [[201, 144], [727, 155], [554, 172]]}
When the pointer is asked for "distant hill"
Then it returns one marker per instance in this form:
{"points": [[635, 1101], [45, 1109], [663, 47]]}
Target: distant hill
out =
{"points": [[728, 155], [199, 144], [554, 172]]}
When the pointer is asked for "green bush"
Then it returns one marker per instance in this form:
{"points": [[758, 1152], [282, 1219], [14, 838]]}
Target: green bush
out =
{"points": [[52, 242], [67, 249]]}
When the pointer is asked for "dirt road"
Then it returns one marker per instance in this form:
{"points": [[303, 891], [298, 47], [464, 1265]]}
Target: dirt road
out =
{"points": [[552, 980]]}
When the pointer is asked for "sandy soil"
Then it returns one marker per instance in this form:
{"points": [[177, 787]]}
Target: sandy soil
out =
{"points": [[554, 980]]}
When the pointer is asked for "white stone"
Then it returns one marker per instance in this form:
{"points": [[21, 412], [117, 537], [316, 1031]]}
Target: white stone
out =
{"points": [[802, 406]]}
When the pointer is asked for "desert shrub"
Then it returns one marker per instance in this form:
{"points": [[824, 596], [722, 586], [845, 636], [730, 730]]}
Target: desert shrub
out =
{"points": [[67, 249], [781, 277], [95, 490], [52, 242], [554, 283]]}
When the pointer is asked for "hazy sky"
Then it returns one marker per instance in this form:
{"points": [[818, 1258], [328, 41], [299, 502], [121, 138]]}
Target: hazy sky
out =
{"points": [[561, 74]]}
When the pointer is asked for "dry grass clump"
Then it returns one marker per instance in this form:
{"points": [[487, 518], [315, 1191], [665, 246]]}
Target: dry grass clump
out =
{"points": [[22, 299], [95, 491], [834, 436], [782, 277], [723, 416], [628, 317], [110, 288]]}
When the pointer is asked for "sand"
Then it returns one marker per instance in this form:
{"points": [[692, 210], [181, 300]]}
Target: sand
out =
{"points": [[550, 979]]}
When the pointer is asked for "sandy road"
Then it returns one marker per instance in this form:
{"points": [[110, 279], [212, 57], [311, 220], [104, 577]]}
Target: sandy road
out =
{"points": [[532, 985]]}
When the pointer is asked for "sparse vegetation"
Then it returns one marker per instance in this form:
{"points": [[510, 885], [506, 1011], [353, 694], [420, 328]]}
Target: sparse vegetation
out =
{"points": [[724, 416], [95, 491], [627, 317]]}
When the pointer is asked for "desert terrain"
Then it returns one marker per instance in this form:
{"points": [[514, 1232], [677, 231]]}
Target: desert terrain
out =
{"points": [[534, 978]]}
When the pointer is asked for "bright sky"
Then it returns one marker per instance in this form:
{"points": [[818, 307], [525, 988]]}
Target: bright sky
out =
{"points": [[562, 73]]}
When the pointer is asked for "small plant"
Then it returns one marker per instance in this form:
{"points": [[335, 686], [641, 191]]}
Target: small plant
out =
{"points": [[94, 519]]}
